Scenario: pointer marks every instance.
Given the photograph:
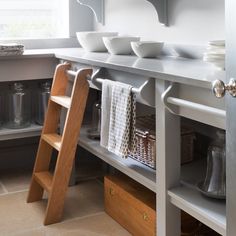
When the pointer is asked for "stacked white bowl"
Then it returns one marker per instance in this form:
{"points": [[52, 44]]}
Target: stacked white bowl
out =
{"points": [[215, 53]]}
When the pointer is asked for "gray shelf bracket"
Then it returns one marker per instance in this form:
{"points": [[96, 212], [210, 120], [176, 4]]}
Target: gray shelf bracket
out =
{"points": [[97, 6], [161, 9]]}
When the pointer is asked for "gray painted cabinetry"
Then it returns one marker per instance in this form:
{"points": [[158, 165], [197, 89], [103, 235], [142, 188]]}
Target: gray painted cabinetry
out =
{"points": [[181, 88]]}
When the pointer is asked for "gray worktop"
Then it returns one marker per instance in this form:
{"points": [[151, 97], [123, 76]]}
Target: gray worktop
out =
{"points": [[182, 70]]}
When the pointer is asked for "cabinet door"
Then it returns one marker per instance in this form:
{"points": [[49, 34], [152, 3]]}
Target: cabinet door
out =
{"points": [[231, 118]]}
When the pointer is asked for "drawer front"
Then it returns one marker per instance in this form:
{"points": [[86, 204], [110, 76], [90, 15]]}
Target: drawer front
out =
{"points": [[132, 214]]}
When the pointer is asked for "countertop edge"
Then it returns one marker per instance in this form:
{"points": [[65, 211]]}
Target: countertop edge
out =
{"points": [[60, 53]]}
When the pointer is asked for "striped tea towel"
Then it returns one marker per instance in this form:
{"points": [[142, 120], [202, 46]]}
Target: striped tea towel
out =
{"points": [[118, 118]]}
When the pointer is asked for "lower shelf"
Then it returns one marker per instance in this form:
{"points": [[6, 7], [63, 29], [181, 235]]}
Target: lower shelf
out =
{"points": [[209, 211], [31, 131], [135, 170]]}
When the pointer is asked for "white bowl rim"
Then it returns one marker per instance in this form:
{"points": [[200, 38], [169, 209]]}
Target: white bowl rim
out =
{"points": [[121, 37], [96, 32], [147, 42]]}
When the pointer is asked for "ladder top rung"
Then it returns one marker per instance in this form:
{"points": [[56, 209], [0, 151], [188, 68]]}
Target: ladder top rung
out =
{"points": [[53, 139], [44, 179], [64, 101]]}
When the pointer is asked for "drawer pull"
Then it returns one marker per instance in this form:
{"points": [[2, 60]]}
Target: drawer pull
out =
{"points": [[145, 216], [111, 191]]}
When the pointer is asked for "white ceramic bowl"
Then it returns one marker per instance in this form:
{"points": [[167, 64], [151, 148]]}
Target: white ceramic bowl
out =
{"points": [[92, 41], [147, 48], [119, 44]]}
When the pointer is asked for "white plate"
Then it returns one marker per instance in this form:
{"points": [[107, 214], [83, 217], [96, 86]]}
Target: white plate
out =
{"points": [[214, 56], [217, 43]]}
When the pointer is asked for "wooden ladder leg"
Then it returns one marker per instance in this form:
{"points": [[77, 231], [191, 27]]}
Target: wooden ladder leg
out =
{"points": [[42, 163], [44, 152], [57, 196]]}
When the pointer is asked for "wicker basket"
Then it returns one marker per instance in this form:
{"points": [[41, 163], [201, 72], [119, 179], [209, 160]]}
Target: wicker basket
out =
{"points": [[145, 142]]}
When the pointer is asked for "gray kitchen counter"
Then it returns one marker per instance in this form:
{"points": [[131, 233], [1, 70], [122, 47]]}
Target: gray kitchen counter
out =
{"points": [[182, 70]]}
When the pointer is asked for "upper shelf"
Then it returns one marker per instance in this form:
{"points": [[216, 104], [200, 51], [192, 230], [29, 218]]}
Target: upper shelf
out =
{"points": [[97, 6]]}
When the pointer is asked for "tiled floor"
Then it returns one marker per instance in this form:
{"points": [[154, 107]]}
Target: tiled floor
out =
{"points": [[83, 216]]}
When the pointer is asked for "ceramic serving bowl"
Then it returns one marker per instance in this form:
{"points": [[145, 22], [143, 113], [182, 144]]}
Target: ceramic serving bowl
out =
{"points": [[119, 44], [147, 48], [92, 41]]}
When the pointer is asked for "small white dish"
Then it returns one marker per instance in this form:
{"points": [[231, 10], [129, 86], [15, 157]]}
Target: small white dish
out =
{"points": [[92, 41], [119, 45], [219, 63], [217, 43], [147, 48]]}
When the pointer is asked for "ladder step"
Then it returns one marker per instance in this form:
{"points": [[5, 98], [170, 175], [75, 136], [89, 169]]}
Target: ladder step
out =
{"points": [[53, 139], [44, 179], [64, 101]]}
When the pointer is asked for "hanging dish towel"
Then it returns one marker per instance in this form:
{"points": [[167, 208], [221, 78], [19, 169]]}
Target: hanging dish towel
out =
{"points": [[107, 86], [118, 118]]}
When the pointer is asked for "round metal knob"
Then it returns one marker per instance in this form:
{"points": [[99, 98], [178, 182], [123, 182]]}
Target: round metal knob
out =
{"points": [[219, 88]]}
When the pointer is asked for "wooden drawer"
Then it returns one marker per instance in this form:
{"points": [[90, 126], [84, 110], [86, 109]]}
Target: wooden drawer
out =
{"points": [[131, 205]]}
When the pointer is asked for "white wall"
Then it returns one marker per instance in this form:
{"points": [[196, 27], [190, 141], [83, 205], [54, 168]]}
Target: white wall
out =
{"points": [[190, 21]]}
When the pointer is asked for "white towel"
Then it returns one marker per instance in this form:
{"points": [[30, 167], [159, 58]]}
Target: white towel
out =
{"points": [[117, 117], [107, 86]]}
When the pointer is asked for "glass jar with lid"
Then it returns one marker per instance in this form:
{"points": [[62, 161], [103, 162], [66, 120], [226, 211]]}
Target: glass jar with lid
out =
{"points": [[18, 114], [43, 95]]}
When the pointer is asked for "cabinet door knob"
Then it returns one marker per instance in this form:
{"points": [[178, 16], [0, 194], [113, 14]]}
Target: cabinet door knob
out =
{"points": [[111, 191], [145, 216], [219, 88]]}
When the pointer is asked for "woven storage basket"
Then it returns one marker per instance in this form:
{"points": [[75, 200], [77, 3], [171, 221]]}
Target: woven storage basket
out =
{"points": [[145, 142]]}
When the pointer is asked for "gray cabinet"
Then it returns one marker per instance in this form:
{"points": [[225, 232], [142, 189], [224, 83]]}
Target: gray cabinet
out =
{"points": [[230, 121]]}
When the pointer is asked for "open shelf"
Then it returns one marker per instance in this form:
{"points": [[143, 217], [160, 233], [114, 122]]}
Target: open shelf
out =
{"points": [[209, 211], [31, 131], [134, 169]]}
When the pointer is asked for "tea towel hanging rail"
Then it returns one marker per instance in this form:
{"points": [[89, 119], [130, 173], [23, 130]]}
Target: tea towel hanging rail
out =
{"points": [[193, 110], [145, 91], [145, 94]]}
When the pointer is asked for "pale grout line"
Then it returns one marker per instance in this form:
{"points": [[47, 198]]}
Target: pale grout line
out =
{"points": [[10, 193], [60, 223], [83, 217], [4, 188]]}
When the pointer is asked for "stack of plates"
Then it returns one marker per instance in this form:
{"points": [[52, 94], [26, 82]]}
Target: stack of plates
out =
{"points": [[11, 49], [215, 53]]}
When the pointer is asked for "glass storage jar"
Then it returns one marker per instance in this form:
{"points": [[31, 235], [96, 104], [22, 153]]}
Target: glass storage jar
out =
{"points": [[43, 95], [18, 107], [214, 184], [95, 130]]}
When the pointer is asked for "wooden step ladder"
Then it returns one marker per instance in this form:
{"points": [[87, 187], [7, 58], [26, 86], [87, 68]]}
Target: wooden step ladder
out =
{"points": [[56, 185]]}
